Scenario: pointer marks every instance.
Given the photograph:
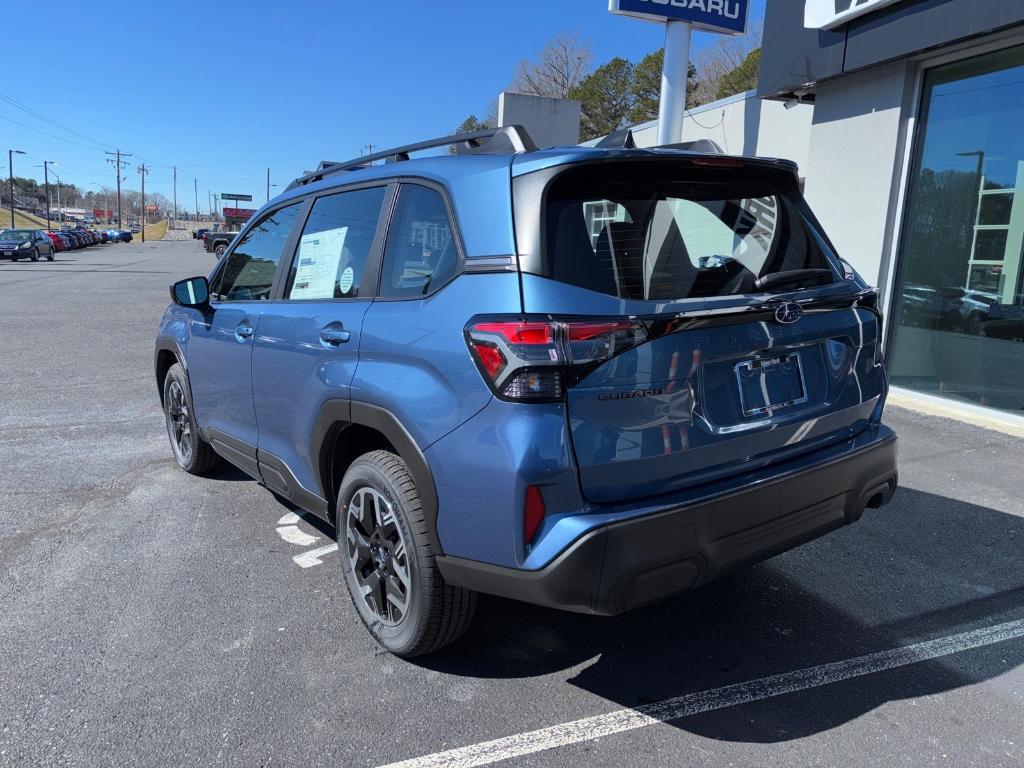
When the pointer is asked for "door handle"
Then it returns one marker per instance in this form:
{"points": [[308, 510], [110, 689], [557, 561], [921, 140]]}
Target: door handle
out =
{"points": [[244, 332], [331, 337]]}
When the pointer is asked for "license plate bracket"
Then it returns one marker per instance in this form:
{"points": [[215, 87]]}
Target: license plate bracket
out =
{"points": [[769, 384]]}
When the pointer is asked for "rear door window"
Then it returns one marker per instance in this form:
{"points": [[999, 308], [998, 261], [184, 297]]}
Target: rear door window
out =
{"points": [[656, 237], [335, 246]]}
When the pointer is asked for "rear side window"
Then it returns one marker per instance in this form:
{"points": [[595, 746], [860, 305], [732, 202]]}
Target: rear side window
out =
{"points": [[335, 246], [248, 273], [420, 254], [647, 234]]}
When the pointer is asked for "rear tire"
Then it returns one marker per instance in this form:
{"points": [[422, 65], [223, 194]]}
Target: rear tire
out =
{"points": [[193, 454], [388, 563], [219, 249], [50, 255]]}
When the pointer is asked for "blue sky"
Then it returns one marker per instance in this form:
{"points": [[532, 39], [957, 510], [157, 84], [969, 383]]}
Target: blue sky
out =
{"points": [[225, 90]]}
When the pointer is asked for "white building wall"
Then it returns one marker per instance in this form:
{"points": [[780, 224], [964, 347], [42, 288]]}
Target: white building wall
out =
{"points": [[550, 122], [855, 162], [744, 125]]}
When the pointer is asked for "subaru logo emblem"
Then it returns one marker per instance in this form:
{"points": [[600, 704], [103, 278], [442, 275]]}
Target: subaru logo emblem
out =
{"points": [[788, 313]]}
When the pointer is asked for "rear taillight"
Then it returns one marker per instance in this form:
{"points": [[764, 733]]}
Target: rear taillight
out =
{"points": [[536, 359]]}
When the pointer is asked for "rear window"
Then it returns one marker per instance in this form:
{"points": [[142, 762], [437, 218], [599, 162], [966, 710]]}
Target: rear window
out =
{"points": [[645, 234]]}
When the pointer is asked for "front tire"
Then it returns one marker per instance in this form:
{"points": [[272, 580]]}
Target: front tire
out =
{"points": [[388, 563], [34, 256], [193, 454]]}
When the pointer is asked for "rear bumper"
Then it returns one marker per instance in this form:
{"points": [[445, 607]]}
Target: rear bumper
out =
{"points": [[624, 565]]}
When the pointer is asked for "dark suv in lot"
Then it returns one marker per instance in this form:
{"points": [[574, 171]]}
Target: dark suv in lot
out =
{"points": [[586, 378]]}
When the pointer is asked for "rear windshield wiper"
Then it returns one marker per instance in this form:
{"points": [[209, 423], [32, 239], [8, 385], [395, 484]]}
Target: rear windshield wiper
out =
{"points": [[790, 277]]}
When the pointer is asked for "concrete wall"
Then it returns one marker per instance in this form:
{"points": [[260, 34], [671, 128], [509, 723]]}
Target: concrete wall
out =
{"points": [[855, 162], [550, 122], [744, 125]]}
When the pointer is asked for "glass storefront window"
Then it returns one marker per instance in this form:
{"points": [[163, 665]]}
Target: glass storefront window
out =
{"points": [[957, 316]]}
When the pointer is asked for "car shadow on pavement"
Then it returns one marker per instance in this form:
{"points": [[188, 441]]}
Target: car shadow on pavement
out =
{"points": [[226, 471], [924, 567]]}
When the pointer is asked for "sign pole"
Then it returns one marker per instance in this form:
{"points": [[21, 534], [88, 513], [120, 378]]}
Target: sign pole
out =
{"points": [[674, 73]]}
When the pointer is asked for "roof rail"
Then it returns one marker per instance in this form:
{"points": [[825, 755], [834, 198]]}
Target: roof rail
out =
{"points": [[509, 139], [705, 146]]}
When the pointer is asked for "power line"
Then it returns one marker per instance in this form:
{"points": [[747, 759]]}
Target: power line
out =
{"points": [[51, 135], [50, 121]]}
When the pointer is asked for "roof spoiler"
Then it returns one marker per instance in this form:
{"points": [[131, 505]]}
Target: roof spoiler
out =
{"points": [[509, 139], [703, 146]]}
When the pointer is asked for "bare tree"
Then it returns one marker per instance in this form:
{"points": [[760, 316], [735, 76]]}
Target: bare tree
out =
{"points": [[559, 68], [716, 61]]}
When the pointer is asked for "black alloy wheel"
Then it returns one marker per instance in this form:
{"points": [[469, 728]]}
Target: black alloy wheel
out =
{"points": [[192, 453], [378, 555]]}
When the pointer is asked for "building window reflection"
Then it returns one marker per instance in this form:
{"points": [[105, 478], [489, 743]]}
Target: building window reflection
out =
{"points": [[958, 304]]}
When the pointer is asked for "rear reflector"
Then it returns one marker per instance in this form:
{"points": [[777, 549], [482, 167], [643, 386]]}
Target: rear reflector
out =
{"points": [[533, 513]]}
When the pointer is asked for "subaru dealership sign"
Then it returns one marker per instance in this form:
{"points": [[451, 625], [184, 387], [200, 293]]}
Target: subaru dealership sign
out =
{"points": [[726, 16]]}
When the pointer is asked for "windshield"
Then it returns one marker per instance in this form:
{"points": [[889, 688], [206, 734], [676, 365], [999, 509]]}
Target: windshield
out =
{"points": [[18, 235], [651, 236]]}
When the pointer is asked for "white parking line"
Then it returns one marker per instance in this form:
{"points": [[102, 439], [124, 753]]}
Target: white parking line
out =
{"points": [[312, 557], [295, 535], [589, 728]]}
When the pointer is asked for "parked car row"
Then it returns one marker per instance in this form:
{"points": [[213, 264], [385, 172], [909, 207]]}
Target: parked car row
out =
{"points": [[34, 244], [977, 313]]}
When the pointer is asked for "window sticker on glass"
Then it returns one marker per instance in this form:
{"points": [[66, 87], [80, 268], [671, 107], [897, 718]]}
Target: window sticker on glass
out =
{"points": [[318, 261]]}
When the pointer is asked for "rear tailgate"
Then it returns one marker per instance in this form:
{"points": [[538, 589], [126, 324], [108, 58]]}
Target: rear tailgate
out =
{"points": [[696, 404], [752, 342]]}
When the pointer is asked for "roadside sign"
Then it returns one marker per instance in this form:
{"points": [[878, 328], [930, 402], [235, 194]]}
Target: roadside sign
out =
{"points": [[724, 16], [239, 213], [241, 198]]}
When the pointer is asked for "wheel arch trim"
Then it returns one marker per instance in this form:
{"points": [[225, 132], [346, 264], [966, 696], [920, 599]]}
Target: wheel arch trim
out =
{"points": [[335, 413]]}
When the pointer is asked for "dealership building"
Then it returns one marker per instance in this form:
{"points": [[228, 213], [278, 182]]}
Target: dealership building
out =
{"points": [[907, 120]]}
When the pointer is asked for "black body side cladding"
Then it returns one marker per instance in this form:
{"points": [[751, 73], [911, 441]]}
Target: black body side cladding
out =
{"points": [[335, 416]]}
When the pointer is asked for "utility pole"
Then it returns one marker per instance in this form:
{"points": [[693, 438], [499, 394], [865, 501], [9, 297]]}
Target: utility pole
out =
{"points": [[46, 181], [10, 170], [118, 164], [142, 172], [268, 185], [369, 148], [174, 218], [195, 187]]}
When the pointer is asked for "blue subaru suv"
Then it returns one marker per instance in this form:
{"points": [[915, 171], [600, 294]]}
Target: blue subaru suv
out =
{"points": [[582, 377]]}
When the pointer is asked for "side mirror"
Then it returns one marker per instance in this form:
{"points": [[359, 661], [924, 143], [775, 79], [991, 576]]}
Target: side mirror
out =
{"points": [[192, 292]]}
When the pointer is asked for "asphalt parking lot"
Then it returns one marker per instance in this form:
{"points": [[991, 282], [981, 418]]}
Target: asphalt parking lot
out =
{"points": [[152, 618]]}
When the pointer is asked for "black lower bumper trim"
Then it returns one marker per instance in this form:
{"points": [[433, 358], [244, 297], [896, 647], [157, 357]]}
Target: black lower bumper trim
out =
{"points": [[625, 565]]}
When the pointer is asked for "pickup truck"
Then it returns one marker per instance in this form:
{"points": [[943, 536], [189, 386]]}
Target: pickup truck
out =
{"points": [[217, 242], [197, 234]]}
